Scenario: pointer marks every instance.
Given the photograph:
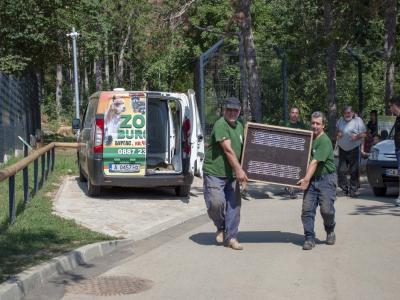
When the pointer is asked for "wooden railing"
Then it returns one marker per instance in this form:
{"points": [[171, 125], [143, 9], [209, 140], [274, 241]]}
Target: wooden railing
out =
{"points": [[46, 153]]}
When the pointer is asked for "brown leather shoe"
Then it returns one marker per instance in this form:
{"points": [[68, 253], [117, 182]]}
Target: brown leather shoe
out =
{"points": [[235, 245], [219, 236]]}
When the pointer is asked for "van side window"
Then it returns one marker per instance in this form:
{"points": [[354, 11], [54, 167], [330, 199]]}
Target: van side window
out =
{"points": [[89, 113]]}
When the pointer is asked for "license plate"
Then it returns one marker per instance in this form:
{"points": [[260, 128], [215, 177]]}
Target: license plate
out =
{"points": [[391, 172], [124, 168]]}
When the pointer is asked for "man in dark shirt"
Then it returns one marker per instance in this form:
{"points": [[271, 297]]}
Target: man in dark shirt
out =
{"points": [[394, 104]]}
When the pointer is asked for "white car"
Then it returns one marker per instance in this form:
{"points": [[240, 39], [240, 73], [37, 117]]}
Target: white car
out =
{"points": [[382, 166]]}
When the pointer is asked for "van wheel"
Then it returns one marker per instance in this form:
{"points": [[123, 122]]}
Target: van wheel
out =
{"points": [[82, 177], [182, 190], [379, 191], [93, 190]]}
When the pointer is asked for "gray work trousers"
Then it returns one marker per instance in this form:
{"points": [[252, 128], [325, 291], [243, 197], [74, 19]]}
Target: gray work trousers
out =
{"points": [[223, 201]]}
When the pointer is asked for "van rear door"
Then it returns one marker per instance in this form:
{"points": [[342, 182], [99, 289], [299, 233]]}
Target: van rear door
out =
{"points": [[196, 138], [124, 147]]}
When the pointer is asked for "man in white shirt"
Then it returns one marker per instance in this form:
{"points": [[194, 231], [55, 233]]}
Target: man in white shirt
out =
{"points": [[350, 135]]}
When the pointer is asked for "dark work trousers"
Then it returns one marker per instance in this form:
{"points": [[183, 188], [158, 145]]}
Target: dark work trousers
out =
{"points": [[322, 192], [223, 201], [349, 161]]}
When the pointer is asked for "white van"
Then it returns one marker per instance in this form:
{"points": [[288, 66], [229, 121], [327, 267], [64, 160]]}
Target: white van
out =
{"points": [[140, 139]]}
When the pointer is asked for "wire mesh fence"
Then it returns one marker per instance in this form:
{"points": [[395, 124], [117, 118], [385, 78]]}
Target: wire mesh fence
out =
{"points": [[19, 111], [218, 78]]}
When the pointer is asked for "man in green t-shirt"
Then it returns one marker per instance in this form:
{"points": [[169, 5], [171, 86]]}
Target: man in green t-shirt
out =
{"points": [[293, 122], [294, 119], [319, 184], [222, 174]]}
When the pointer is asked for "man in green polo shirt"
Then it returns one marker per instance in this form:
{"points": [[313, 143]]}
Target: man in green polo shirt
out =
{"points": [[320, 184], [294, 119], [293, 122], [222, 174]]}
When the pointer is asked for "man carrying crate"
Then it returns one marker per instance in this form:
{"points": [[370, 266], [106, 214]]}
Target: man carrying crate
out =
{"points": [[319, 184], [222, 174]]}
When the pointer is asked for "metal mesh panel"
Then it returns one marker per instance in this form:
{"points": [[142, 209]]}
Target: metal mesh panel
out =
{"points": [[222, 79], [19, 111]]}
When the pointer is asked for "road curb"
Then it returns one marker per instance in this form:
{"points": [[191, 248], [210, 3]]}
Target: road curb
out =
{"points": [[24, 282]]}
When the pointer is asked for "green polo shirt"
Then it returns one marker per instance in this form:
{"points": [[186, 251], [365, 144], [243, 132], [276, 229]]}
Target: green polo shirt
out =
{"points": [[215, 162], [298, 125], [322, 151]]}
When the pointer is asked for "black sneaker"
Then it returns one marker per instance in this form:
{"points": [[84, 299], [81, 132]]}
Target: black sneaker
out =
{"points": [[331, 238], [308, 244]]}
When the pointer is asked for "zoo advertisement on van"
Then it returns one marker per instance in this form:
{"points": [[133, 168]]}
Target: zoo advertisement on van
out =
{"points": [[124, 147]]}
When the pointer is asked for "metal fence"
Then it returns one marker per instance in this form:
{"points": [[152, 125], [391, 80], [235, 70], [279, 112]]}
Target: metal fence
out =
{"points": [[19, 111], [217, 76], [46, 155]]}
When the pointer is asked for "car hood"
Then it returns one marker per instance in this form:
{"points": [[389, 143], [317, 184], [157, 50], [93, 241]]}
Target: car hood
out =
{"points": [[386, 146]]}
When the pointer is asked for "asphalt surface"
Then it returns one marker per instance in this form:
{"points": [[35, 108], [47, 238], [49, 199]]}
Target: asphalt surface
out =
{"points": [[183, 261]]}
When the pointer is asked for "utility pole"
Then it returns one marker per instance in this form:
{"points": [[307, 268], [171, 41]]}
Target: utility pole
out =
{"points": [[74, 35]]}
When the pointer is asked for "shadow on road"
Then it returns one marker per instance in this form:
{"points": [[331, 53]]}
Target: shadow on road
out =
{"points": [[376, 210], [248, 237]]}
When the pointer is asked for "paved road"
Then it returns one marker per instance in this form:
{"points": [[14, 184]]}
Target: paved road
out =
{"points": [[184, 263]]}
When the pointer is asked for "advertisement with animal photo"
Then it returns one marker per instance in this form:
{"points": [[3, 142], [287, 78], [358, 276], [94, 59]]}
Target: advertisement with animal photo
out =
{"points": [[125, 135]]}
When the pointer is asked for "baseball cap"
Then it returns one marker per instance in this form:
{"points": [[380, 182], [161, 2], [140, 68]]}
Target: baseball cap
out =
{"points": [[232, 102]]}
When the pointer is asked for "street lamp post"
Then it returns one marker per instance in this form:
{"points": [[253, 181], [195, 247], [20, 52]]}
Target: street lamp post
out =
{"points": [[74, 35]]}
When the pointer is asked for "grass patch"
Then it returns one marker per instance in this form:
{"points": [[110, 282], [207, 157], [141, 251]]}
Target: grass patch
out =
{"points": [[37, 235]]}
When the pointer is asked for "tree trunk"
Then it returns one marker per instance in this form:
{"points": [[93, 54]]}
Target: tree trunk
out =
{"points": [[106, 64], [38, 119], [98, 74], [86, 82], [331, 57], [59, 81], [244, 86], [114, 64], [244, 18], [390, 44], [69, 76], [132, 77], [120, 71]]}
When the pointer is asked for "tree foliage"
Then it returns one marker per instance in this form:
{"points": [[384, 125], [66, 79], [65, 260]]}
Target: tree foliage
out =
{"points": [[154, 43]]}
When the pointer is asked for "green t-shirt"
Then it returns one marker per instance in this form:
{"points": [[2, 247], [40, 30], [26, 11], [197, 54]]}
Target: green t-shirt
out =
{"points": [[322, 151], [215, 162], [298, 125]]}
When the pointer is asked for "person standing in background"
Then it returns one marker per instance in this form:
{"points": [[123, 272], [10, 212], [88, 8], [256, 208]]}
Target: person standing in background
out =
{"points": [[394, 104], [293, 122], [294, 119], [351, 132], [372, 131]]}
